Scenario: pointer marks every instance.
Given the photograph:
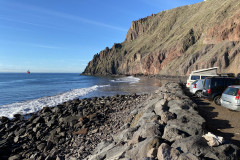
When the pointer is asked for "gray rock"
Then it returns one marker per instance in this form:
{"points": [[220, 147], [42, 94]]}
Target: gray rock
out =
{"points": [[188, 156], [4, 119], [190, 127], [172, 134], [15, 157], [141, 149], [166, 116], [17, 117], [41, 146], [152, 153], [51, 123], [117, 151], [60, 157], [20, 132], [101, 150], [164, 152], [175, 102], [147, 158], [160, 108], [72, 158], [56, 110], [3, 143], [45, 110], [49, 146], [125, 135], [226, 151], [148, 130], [16, 139], [195, 145], [142, 118], [34, 156], [38, 120]]}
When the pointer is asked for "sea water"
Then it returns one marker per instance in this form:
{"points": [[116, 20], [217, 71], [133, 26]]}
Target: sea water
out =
{"points": [[26, 93]]}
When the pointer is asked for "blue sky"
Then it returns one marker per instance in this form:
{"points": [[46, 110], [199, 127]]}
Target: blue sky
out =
{"points": [[63, 35]]}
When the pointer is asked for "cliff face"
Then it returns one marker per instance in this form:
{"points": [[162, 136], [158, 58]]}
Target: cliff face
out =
{"points": [[177, 41]]}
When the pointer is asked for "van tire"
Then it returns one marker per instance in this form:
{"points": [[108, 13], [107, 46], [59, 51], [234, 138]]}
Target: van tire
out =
{"points": [[217, 100], [199, 94]]}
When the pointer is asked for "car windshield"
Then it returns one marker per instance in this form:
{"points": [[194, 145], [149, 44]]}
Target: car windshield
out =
{"points": [[231, 91]]}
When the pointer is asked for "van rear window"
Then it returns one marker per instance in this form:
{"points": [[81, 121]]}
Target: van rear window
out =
{"points": [[207, 83], [195, 77], [203, 77], [231, 91]]}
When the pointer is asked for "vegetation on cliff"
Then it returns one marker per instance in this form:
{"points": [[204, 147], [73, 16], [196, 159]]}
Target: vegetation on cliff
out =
{"points": [[176, 42]]}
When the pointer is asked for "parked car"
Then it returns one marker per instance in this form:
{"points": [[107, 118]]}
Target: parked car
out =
{"points": [[197, 87], [214, 87], [231, 98], [227, 75], [201, 74], [238, 75]]}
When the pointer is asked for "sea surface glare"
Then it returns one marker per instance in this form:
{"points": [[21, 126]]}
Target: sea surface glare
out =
{"points": [[26, 93]]}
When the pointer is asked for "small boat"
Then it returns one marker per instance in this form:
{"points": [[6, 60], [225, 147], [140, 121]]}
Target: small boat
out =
{"points": [[28, 72]]}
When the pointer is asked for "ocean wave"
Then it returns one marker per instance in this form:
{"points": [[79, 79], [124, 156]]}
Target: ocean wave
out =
{"points": [[35, 105], [129, 79]]}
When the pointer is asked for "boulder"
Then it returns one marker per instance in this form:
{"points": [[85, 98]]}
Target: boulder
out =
{"points": [[125, 135], [165, 152], [15, 157], [166, 116], [195, 145], [38, 120], [3, 119], [188, 156], [117, 151], [152, 153], [141, 149], [190, 127], [172, 134]]}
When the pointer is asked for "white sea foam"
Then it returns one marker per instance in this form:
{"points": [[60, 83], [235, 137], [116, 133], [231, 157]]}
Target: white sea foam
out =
{"points": [[129, 79], [37, 104]]}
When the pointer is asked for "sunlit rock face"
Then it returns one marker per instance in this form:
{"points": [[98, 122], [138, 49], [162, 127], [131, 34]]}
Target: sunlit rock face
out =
{"points": [[176, 42]]}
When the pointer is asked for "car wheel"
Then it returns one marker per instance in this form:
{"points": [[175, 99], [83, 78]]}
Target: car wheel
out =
{"points": [[217, 100], [199, 94]]}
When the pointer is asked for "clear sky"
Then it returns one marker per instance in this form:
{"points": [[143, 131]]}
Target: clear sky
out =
{"points": [[63, 35]]}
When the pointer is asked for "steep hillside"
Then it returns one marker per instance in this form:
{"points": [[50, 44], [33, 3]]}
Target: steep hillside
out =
{"points": [[177, 41]]}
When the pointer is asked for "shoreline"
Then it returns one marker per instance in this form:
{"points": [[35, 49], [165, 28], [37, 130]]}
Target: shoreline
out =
{"points": [[127, 126], [105, 87], [63, 126]]}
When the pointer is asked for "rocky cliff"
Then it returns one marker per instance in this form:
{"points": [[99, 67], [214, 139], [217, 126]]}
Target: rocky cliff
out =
{"points": [[177, 41]]}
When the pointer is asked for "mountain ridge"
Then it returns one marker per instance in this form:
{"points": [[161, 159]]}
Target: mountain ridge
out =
{"points": [[176, 41]]}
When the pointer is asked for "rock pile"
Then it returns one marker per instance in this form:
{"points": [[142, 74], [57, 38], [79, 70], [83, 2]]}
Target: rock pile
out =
{"points": [[68, 131], [166, 127]]}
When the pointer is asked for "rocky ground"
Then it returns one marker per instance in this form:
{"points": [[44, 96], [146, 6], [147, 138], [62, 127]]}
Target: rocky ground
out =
{"points": [[163, 125], [167, 126], [68, 131]]}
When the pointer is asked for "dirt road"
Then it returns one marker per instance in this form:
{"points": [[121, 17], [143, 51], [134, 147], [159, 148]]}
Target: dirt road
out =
{"points": [[219, 120]]}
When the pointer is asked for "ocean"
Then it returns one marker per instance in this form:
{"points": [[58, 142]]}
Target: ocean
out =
{"points": [[27, 93]]}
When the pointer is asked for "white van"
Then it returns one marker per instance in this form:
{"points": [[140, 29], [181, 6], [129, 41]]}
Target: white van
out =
{"points": [[201, 74]]}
